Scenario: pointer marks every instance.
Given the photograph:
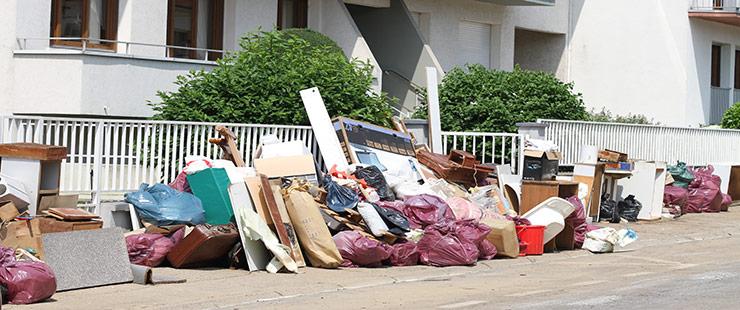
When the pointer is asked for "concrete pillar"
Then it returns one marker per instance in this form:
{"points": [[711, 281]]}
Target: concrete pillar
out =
{"points": [[532, 130]]}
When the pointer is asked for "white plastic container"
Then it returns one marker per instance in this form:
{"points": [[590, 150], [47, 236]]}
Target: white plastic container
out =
{"points": [[551, 213]]}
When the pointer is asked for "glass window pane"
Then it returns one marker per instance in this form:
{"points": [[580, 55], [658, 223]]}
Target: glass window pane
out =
{"points": [[98, 20], [71, 19]]}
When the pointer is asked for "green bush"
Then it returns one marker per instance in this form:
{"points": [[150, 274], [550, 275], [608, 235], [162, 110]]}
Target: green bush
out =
{"points": [[261, 82], [731, 119], [479, 99], [607, 117], [315, 39]]}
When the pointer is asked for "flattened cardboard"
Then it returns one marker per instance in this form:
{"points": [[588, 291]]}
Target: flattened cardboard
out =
{"points": [[8, 211], [540, 154], [289, 228], [301, 166], [254, 185]]}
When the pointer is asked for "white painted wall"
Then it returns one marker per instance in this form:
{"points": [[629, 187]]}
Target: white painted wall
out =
{"points": [[7, 44], [242, 16], [143, 21]]}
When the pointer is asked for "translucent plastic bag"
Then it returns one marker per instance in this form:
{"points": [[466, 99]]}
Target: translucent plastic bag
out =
{"points": [[148, 249], [441, 247], [26, 281], [404, 254], [161, 205], [358, 250], [424, 210]]}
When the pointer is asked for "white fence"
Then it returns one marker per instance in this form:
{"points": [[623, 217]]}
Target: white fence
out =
{"points": [[488, 147], [113, 156], [691, 145]]}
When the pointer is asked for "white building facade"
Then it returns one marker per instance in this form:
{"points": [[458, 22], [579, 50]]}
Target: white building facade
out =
{"points": [[671, 60]]}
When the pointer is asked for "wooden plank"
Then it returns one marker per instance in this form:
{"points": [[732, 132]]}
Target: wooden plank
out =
{"points": [[33, 151], [535, 192], [733, 188], [254, 185], [283, 209], [435, 127], [282, 225], [326, 137]]}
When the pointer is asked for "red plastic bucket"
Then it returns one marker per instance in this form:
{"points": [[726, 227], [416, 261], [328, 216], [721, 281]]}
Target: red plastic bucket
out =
{"points": [[532, 238]]}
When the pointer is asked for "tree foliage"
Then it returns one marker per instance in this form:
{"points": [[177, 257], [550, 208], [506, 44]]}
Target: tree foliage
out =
{"points": [[607, 117], [261, 82], [478, 99], [731, 118]]}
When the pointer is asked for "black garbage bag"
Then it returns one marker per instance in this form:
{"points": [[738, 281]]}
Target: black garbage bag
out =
{"points": [[629, 208], [375, 179], [609, 209], [339, 198], [397, 223]]}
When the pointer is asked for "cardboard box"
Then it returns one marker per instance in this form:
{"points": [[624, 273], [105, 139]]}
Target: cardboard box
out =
{"points": [[22, 234], [301, 166], [354, 135], [503, 236], [540, 165], [8, 211], [612, 156]]}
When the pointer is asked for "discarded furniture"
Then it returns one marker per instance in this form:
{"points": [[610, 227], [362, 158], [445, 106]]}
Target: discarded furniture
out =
{"points": [[37, 166]]}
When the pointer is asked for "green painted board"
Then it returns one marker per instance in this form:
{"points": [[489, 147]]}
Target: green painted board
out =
{"points": [[212, 187]]}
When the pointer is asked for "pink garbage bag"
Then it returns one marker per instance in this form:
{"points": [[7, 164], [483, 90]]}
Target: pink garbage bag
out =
{"points": [[441, 247], [704, 194], [463, 209], [577, 220], [358, 250], [404, 254], [476, 233], [424, 210], [675, 196], [726, 202], [148, 249], [27, 281]]}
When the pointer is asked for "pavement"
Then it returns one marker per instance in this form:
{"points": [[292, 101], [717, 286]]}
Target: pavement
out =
{"points": [[691, 262]]}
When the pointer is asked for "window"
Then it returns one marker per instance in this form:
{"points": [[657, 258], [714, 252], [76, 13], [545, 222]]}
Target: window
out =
{"points": [[184, 30], [737, 69], [292, 14], [93, 21], [716, 65], [474, 43]]}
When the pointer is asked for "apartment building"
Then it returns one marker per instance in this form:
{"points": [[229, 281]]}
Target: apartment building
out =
{"points": [[672, 60]]}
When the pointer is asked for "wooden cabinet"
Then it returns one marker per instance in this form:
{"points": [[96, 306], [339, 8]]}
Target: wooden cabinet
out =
{"points": [[535, 192], [37, 166]]}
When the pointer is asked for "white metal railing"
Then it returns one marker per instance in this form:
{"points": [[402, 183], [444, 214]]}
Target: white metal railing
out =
{"points": [[87, 44], [111, 156], [720, 101], [488, 147], [729, 6], [694, 146]]}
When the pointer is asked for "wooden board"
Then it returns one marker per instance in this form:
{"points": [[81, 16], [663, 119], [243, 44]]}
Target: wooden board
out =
{"points": [[326, 137], [33, 151], [283, 209], [535, 192], [72, 214], [733, 188], [283, 226]]}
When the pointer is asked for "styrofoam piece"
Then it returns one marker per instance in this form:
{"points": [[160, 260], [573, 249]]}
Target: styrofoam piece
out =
{"points": [[284, 149], [551, 213], [323, 130], [87, 258]]}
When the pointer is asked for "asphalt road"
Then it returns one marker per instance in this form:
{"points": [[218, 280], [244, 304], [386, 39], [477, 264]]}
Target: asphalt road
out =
{"points": [[689, 263]]}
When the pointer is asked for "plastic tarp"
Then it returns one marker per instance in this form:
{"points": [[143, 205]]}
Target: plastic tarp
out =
{"points": [[358, 250], [26, 281], [161, 205]]}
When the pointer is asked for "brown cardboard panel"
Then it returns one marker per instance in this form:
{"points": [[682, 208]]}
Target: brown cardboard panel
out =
{"points": [[56, 201], [8, 211], [22, 234], [254, 185], [281, 225], [289, 228], [289, 166]]}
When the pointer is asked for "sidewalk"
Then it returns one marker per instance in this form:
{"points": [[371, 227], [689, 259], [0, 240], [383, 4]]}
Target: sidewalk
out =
{"points": [[696, 247]]}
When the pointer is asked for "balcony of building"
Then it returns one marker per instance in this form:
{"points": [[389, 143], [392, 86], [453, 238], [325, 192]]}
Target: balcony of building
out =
{"points": [[720, 11]]}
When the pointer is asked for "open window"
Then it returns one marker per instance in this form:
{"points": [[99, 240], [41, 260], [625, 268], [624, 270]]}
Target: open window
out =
{"points": [[93, 21], [184, 29], [292, 14]]}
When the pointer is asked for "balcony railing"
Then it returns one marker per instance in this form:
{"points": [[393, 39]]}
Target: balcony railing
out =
{"points": [[118, 48], [715, 6]]}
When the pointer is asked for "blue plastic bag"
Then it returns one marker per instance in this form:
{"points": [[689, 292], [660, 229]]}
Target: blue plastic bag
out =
{"points": [[339, 197], [162, 205]]}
